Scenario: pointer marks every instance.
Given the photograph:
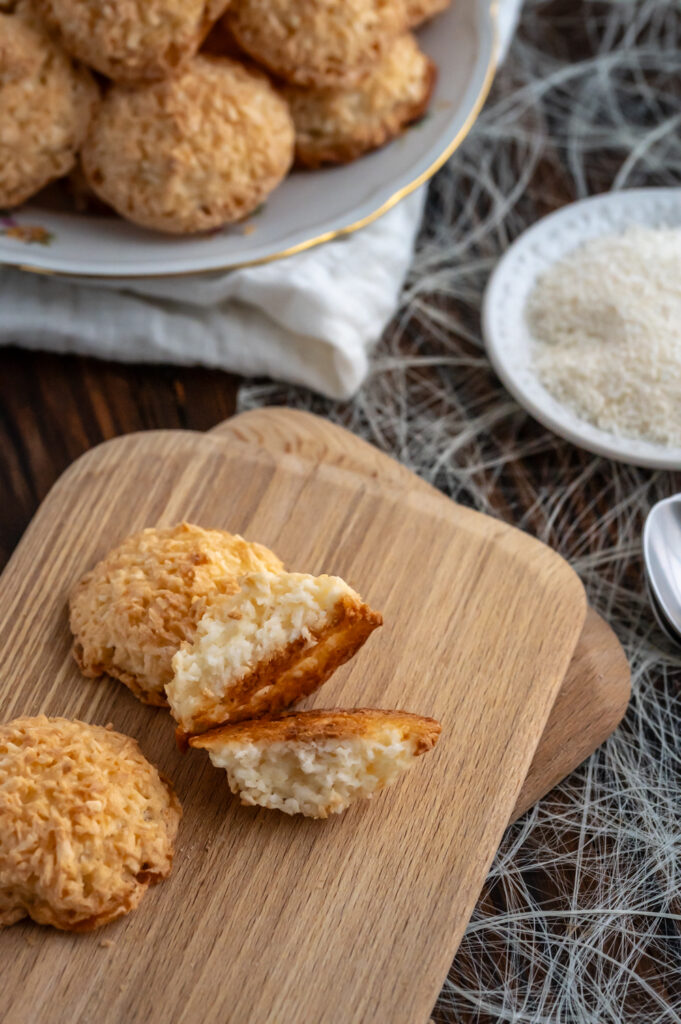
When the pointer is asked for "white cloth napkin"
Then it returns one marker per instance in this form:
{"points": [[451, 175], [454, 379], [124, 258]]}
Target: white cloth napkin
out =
{"points": [[291, 319]]}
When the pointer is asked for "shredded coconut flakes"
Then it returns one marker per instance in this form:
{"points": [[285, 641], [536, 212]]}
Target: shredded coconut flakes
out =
{"points": [[607, 320]]}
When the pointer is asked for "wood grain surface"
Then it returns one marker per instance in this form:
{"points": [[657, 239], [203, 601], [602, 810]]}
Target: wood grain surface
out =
{"points": [[267, 918], [595, 692]]}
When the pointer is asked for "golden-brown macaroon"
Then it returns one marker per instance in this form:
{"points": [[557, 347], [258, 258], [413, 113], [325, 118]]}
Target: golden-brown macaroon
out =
{"points": [[419, 11], [86, 823], [22, 49], [130, 614], [258, 651], [320, 42], [317, 763], [335, 126], [46, 103], [191, 153], [132, 40]]}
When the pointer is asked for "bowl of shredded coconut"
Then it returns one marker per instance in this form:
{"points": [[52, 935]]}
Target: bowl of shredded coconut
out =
{"points": [[582, 321]]}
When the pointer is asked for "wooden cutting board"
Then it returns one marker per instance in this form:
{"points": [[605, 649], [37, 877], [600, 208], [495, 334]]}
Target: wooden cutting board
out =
{"points": [[267, 918], [595, 693]]}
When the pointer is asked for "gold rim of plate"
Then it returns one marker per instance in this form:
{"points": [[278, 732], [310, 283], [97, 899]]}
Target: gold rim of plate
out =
{"points": [[329, 236]]}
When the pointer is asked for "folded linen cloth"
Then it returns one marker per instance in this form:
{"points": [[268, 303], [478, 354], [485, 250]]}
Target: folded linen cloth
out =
{"points": [[289, 319]]}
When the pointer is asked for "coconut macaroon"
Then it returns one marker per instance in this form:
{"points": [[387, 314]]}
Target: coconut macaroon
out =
{"points": [[191, 153], [132, 40], [317, 763], [131, 613], [419, 11], [338, 125], [46, 103], [86, 824], [258, 651], [318, 43], [22, 48]]}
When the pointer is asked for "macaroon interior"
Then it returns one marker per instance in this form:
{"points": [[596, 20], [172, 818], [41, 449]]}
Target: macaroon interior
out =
{"points": [[259, 650], [314, 778]]}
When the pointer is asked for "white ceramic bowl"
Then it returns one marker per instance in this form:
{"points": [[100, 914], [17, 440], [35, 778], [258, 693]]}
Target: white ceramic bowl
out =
{"points": [[309, 207], [507, 335]]}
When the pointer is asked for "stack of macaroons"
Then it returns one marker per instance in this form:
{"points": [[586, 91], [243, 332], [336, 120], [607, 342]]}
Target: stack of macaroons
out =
{"points": [[200, 108]]}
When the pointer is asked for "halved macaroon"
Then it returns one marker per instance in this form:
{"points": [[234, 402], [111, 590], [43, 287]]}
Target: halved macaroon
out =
{"points": [[258, 651], [132, 611], [317, 763], [335, 126]]}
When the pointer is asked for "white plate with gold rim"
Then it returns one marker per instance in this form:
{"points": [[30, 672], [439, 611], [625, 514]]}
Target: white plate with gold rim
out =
{"points": [[308, 208]]}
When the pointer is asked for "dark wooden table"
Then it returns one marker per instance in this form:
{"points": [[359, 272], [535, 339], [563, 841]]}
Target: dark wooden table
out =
{"points": [[53, 408]]}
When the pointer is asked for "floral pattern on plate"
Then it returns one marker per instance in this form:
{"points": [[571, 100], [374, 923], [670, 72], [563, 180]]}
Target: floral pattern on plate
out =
{"points": [[29, 234]]}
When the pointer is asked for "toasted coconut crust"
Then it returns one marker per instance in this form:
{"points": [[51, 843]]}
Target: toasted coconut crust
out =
{"points": [[132, 40], [131, 613], [335, 126], [419, 11], [319, 43], [331, 724], [191, 153], [22, 49], [86, 823], [46, 104], [292, 673]]}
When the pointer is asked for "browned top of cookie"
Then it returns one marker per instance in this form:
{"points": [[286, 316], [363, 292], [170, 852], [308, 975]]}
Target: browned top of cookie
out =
{"points": [[130, 613], [86, 823], [46, 103], [334, 724], [338, 125], [132, 40], [318, 43]]}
